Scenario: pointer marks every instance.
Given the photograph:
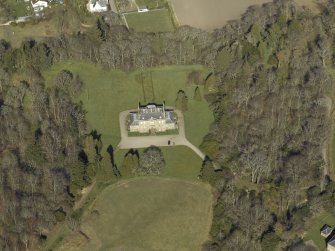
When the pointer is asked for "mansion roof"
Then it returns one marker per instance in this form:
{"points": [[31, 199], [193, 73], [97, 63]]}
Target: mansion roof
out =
{"points": [[151, 112]]}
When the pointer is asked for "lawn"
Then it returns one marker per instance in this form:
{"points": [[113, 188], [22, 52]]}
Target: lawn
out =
{"points": [[314, 229], [152, 21], [107, 93], [146, 214], [16, 34]]}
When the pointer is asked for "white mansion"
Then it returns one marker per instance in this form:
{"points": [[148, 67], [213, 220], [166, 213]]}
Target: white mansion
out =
{"points": [[152, 118]]}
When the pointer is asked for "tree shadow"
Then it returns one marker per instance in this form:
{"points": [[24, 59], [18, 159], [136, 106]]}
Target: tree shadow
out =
{"points": [[82, 156], [110, 151], [96, 135], [132, 152]]}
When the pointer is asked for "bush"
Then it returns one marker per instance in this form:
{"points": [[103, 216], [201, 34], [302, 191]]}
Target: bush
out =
{"points": [[60, 215], [269, 241], [151, 161]]}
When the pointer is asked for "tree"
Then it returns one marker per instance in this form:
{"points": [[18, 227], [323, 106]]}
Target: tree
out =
{"points": [[151, 161], [197, 94], [181, 101], [130, 163], [63, 79]]}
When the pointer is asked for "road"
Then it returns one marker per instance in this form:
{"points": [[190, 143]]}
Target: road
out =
{"points": [[8, 23], [161, 140]]}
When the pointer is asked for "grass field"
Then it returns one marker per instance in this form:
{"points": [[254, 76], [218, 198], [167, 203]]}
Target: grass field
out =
{"points": [[16, 34], [314, 229], [152, 21], [146, 214], [107, 93]]}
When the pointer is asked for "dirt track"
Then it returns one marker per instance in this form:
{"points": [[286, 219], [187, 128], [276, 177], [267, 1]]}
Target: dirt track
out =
{"points": [[211, 14]]}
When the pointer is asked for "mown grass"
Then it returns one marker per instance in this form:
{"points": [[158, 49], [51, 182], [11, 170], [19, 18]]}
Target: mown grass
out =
{"points": [[148, 214], [314, 227], [152, 21], [107, 93], [16, 34]]}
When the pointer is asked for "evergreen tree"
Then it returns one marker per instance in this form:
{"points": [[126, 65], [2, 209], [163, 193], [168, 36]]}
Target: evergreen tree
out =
{"points": [[181, 101], [197, 94], [130, 164]]}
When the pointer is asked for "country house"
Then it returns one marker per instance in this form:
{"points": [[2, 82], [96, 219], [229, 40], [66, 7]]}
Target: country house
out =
{"points": [[152, 118]]}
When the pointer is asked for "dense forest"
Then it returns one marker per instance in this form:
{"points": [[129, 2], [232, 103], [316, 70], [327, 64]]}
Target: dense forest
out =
{"points": [[272, 102], [270, 92]]}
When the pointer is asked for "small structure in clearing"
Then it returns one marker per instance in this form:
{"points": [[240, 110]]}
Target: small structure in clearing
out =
{"points": [[98, 5], [142, 8], [328, 232], [39, 5], [152, 118]]}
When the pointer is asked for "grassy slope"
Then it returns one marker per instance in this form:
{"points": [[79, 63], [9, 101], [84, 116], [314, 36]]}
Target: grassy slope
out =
{"points": [[107, 93], [315, 226], [152, 21], [149, 214]]}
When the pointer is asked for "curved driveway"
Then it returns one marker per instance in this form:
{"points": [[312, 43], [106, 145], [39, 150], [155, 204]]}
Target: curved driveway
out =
{"points": [[161, 140]]}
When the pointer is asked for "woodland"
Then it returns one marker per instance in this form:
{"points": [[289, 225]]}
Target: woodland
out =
{"points": [[270, 90]]}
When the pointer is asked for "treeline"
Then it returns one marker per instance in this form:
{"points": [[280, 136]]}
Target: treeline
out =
{"points": [[115, 47], [271, 97], [42, 133]]}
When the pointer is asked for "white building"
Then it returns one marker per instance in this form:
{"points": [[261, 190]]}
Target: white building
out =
{"points": [[39, 5], [98, 5], [152, 118], [142, 8]]}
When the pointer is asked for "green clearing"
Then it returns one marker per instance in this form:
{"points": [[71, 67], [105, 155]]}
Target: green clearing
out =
{"points": [[314, 227], [16, 34], [152, 21], [173, 205], [107, 93], [146, 214]]}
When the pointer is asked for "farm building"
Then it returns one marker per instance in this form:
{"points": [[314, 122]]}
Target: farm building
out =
{"points": [[326, 230], [39, 5], [328, 233], [142, 8], [151, 118], [98, 5]]}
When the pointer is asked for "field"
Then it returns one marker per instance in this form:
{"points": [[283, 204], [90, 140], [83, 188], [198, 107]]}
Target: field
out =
{"points": [[153, 21], [146, 214], [213, 14], [314, 229], [16, 34], [107, 93]]}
